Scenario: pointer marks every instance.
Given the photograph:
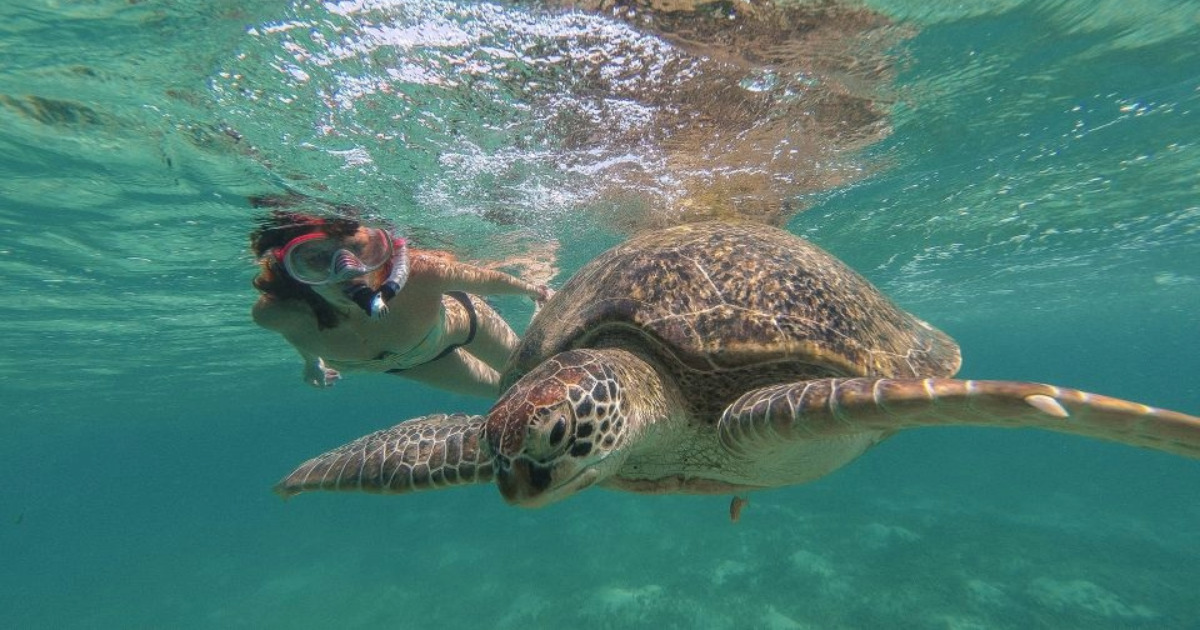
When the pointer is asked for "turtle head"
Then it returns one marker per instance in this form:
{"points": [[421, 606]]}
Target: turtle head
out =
{"points": [[561, 428]]}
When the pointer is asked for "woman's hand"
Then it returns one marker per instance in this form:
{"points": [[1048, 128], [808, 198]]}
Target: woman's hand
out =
{"points": [[544, 293], [317, 375]]}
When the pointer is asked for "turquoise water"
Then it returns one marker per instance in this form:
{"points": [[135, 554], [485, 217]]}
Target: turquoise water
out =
{"points": [[1025, 175]]}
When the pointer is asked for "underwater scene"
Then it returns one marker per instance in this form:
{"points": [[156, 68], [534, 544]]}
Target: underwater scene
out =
{"points": [[1023, 175]]}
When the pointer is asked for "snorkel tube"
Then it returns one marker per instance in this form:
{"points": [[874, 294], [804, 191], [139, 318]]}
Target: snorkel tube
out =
{"points": [[374, 303]]}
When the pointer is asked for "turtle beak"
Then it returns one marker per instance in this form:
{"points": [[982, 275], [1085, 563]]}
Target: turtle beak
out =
{"points": [[524, 483], [529, 484]]}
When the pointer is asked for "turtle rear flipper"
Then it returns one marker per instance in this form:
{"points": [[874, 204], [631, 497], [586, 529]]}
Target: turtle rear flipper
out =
{"points": [[427, 453], [812, 410]]}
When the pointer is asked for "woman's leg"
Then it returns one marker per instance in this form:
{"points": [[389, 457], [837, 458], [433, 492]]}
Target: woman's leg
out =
{"points": [[474, 368], [458, 372]]}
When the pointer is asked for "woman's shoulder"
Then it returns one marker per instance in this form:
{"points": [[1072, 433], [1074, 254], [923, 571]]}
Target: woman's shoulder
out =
{"points": [[430, 269], [431, 259]]}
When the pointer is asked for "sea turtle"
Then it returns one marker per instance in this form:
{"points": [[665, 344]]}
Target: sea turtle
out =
{"points": [[713, 358]]}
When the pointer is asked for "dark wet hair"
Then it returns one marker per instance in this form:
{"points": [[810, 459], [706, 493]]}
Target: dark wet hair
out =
{"points": [[276, 229]]}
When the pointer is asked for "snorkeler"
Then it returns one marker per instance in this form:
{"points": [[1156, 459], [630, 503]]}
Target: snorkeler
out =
{"points": [[350, 297]]}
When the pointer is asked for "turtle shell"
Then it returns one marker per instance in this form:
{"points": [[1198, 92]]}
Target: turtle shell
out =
{"points": [[721, 298]]}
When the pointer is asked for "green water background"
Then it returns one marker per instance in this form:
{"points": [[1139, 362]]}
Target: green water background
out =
{"points": [[1040, 204]]}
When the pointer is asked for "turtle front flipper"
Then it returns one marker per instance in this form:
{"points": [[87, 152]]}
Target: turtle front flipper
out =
{"points": [[818, 409], [426, 453]]}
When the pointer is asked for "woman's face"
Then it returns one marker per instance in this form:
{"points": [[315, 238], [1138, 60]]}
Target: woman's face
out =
{"points": [[334, 266]]}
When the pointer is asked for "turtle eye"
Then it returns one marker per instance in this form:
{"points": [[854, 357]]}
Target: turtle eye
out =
{"points": [[558, 431]]}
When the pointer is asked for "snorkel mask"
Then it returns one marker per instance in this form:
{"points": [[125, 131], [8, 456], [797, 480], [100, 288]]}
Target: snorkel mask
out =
{"points": [[317, 259]]}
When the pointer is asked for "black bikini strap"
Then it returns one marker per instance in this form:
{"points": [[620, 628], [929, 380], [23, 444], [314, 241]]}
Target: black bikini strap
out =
{"points": [[472, 317]]}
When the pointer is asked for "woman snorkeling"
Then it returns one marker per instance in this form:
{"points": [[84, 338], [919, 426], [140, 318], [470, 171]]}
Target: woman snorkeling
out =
{"points": [[350, 297]]}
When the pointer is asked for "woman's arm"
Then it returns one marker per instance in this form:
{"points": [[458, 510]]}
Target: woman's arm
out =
{"points": [[315, 371], [455, 276], [288, 322]]}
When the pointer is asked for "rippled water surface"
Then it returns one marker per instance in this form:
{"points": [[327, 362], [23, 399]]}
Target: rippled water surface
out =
{"points": [[1025, 175]]}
